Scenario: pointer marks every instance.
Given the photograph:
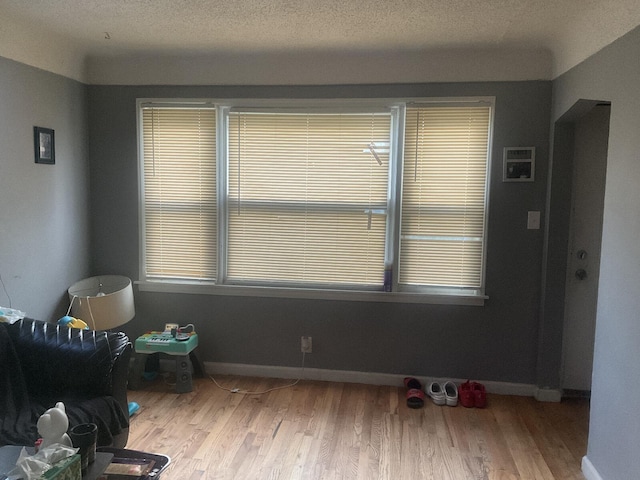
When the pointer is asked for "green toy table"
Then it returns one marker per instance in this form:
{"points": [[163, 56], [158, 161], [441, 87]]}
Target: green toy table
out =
{"points": [[184, 352]]}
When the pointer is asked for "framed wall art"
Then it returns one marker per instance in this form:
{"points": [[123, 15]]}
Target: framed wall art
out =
{"points": [[44, 144]]}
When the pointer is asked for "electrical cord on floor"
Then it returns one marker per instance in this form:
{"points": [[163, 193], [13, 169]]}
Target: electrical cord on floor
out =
{"points": [[247, 392]]}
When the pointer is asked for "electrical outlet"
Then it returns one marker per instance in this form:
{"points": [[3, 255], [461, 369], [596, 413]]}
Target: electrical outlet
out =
{"points": [[305, 344]]}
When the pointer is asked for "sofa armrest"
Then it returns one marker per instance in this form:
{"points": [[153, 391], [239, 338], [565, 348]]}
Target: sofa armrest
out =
{"points": [[120, 377]]}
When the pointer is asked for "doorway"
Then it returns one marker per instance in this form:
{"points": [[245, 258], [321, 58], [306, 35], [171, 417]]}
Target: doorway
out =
{"points": [[581, 141]]}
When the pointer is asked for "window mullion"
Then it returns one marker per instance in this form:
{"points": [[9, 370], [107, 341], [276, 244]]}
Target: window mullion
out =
{"points": [[222, 166], [393, 205]]}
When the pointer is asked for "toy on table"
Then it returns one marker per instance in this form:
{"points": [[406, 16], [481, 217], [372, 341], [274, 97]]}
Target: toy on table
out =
{"points": [[53, 425], [73, 323]]}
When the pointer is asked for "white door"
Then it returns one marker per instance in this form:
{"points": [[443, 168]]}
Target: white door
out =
{"points": [[585, 235]]}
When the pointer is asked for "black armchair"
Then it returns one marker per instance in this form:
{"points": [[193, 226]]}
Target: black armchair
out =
{"points": [[47, 363]]}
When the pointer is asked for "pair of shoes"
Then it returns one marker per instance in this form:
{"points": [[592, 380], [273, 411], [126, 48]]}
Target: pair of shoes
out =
{"points": [[472, 394], [443, 394], [415, 395]]}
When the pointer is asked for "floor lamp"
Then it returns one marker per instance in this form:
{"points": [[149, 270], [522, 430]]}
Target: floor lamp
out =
{"points": [[104, 302]]}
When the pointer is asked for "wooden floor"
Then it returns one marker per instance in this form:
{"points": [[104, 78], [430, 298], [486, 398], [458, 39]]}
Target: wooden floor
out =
{"points": [[324, 430]]}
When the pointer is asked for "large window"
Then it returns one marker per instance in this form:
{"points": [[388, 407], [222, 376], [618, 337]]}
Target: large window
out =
{"points": [[357, 197]]}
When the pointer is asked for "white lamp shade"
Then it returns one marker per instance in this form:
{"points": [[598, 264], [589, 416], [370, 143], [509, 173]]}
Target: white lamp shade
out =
{"points": [[103, 302]]}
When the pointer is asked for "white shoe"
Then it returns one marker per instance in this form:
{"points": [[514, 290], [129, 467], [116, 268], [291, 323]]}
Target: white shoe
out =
{"points": [[450, 394], [436, 392]]}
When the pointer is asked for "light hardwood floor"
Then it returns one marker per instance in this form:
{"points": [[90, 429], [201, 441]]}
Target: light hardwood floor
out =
{"points": [[325, 430]]}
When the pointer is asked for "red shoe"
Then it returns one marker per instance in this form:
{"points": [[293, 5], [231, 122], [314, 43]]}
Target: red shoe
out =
{"points": [[479, 395], [466, 394], [415, 395]]}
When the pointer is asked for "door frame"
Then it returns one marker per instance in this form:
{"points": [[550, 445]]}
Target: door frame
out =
{"points": [[556, 250], [576, 351]]}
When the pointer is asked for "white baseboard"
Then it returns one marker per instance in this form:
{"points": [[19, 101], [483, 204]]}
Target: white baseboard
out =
{"points": [[369, 378], [548, 395], [589, 471]]}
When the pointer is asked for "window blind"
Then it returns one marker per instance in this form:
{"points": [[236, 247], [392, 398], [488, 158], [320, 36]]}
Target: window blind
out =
{"points": [[180, 215], [307, 198], [443, 196]]}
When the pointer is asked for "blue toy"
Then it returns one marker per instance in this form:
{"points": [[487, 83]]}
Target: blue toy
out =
{"points": [[133, 408]]}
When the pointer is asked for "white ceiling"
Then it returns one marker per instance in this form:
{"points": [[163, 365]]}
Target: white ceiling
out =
{"points": [[569, 30]]}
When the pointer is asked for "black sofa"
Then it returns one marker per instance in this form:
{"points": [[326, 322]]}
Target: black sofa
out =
{"points": [[43, 363]]}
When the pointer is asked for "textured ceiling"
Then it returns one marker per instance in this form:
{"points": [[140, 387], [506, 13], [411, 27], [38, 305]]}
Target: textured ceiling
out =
{"points": [[570, 29]]}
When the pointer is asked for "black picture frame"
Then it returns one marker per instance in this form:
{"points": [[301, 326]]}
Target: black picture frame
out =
{"points": [[44, 145]]}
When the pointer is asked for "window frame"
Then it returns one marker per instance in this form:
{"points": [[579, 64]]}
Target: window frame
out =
{"points": [[392, 113], [438, 290], [142, 106], [422, 294]]}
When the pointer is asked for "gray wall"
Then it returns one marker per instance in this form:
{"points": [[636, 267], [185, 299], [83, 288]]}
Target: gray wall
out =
{"points": [[613, 74], [44, 213], [496, 342]]}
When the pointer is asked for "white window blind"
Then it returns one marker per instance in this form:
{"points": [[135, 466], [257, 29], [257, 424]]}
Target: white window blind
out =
{"points": [[179, 193], [443, 196], [307, 198]]}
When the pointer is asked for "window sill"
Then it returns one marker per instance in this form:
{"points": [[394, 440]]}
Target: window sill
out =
{"points": [[436, 298]]}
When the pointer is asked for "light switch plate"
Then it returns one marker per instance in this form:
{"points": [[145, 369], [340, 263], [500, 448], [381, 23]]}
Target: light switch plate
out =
{"points": [[533, 220]]}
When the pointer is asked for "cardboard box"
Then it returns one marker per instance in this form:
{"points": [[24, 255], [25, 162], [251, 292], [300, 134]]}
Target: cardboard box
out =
{"points": [[67, 469]]}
